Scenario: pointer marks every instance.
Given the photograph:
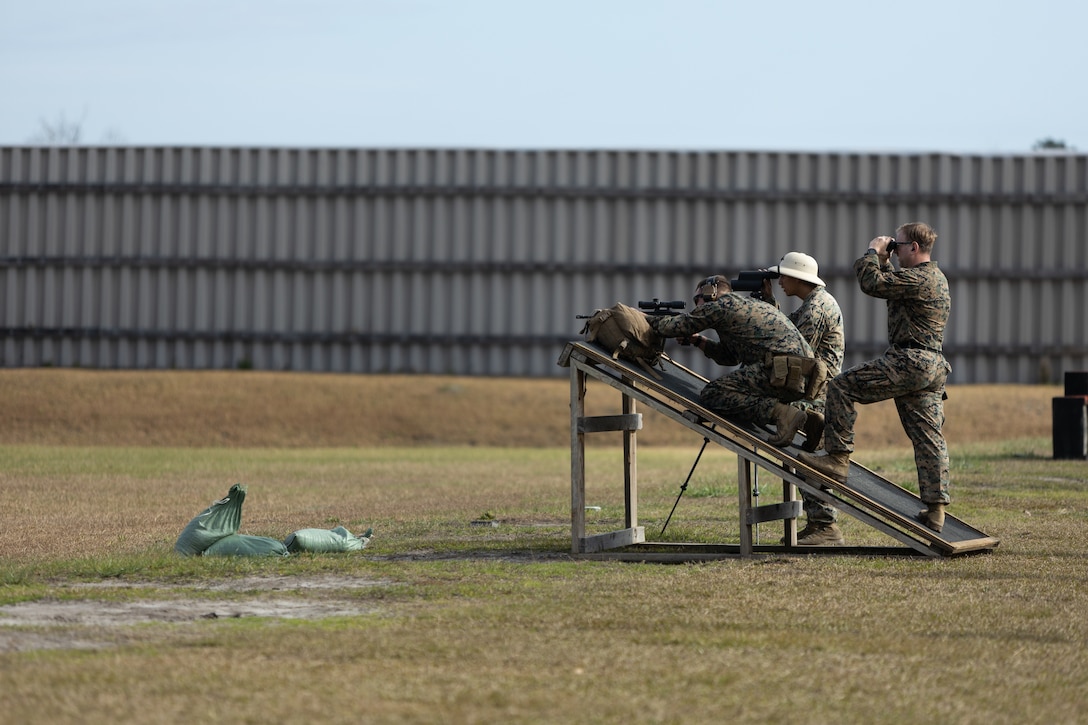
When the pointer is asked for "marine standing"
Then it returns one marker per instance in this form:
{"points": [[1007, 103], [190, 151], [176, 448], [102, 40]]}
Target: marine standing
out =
{"points": [[912, 371]]}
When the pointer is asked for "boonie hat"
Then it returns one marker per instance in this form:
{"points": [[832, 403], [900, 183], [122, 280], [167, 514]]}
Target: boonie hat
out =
{"points": [[799, 265]]}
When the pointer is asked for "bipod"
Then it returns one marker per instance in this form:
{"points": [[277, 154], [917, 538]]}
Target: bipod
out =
{"points": [[684, 487]]}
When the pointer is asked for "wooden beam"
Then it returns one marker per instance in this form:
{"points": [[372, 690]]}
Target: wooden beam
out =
{"points": [[605, 423]]}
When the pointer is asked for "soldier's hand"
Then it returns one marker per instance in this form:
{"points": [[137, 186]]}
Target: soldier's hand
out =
{"points": [[696, 340], [880, 244]]}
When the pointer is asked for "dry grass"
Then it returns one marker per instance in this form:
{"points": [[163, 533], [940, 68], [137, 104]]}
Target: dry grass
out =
{"points": [[99, 471], [292, 410]]}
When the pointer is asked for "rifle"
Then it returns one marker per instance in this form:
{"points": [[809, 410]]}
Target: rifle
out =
{"points": [[657, 307], [664, 309], [652, 307]]}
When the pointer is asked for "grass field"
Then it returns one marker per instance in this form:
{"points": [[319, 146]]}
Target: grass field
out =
{"points": [[444, 620]]}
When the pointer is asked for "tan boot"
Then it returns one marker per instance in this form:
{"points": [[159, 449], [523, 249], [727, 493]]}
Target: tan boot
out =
{"points": [[932, 516], [822, 535], [833, 465], [787, 421], [814, 431], [808, 529]]}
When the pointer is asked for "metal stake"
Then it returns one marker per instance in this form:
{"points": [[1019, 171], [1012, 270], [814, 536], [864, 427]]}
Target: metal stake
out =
{"points": [[684, 487]]}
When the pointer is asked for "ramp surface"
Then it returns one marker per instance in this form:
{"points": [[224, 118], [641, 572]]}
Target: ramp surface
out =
{"points": [[674, 391]]}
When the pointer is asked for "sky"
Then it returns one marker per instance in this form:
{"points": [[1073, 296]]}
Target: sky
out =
{"points": [[955, 76]]}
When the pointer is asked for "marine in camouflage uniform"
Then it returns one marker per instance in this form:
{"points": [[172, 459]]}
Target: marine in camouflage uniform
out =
{"points": [[912, 371], [748, 329], [819, 320]]}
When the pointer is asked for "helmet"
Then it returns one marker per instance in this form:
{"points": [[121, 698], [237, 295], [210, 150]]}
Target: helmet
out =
{"points": [[800, 266]]}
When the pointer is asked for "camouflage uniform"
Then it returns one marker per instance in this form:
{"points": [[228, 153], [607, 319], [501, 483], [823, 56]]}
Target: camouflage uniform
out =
{"points": [[747, 330], [819, 320], [912, 371]]}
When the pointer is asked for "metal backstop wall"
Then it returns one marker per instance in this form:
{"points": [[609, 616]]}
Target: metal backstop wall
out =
{"points": [[476, 262]]}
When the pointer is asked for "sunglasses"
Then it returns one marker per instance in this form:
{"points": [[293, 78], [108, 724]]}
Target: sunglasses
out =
{"points": [[699, 298]]}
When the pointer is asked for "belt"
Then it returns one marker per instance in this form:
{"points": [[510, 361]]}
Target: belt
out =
{"points": [[918, 346]]}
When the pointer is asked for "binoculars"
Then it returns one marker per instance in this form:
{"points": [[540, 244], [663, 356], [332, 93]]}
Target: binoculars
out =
{"points": [[751, 280]]}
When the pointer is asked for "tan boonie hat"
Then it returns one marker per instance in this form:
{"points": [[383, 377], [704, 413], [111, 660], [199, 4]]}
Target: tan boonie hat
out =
{"points": [[799, 265]]}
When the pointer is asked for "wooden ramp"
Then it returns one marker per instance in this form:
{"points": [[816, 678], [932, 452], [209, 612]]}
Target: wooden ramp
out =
{"points": [[674, 392]]}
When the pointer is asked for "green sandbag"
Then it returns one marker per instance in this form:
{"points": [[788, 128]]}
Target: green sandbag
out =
{"points": [[320, 541], [246, 545], [221, 519]]}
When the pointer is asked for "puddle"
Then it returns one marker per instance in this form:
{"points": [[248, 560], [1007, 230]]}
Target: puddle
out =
{"points": [[92, 613]]}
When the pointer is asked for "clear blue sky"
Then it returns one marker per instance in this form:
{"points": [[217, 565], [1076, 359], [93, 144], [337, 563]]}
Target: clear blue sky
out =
{"points": [[970, 76]]}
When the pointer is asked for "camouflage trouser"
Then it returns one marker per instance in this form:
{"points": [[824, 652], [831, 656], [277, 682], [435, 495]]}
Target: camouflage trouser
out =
{"points": [[915, 379], [744, 395], [816, 511]]}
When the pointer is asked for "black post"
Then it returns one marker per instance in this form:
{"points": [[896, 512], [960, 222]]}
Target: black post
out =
{"points": [[1070, 418]]}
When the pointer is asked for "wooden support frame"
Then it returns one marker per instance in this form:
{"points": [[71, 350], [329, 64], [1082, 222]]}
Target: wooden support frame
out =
{"points": [[867, 497], [630, 422]]}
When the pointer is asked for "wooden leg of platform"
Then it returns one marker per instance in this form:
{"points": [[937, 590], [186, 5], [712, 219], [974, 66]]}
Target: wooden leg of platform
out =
{"points": [[789, 531], [744, 504], [577, 460], [630, 468]]}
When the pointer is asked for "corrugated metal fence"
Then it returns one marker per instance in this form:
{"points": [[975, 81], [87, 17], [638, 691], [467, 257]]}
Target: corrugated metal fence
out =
{"points": [[476, 262]]}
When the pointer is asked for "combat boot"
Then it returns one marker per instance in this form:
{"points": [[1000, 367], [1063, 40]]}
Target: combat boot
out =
{"points": [[833, 465], [787, 421], [809, 528], [814, 431], [933, 516], [822, 535]]}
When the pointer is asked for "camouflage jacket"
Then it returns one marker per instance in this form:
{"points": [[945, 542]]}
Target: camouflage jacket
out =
{"points": [[918, 300], [747, 330], [820, 321]]}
